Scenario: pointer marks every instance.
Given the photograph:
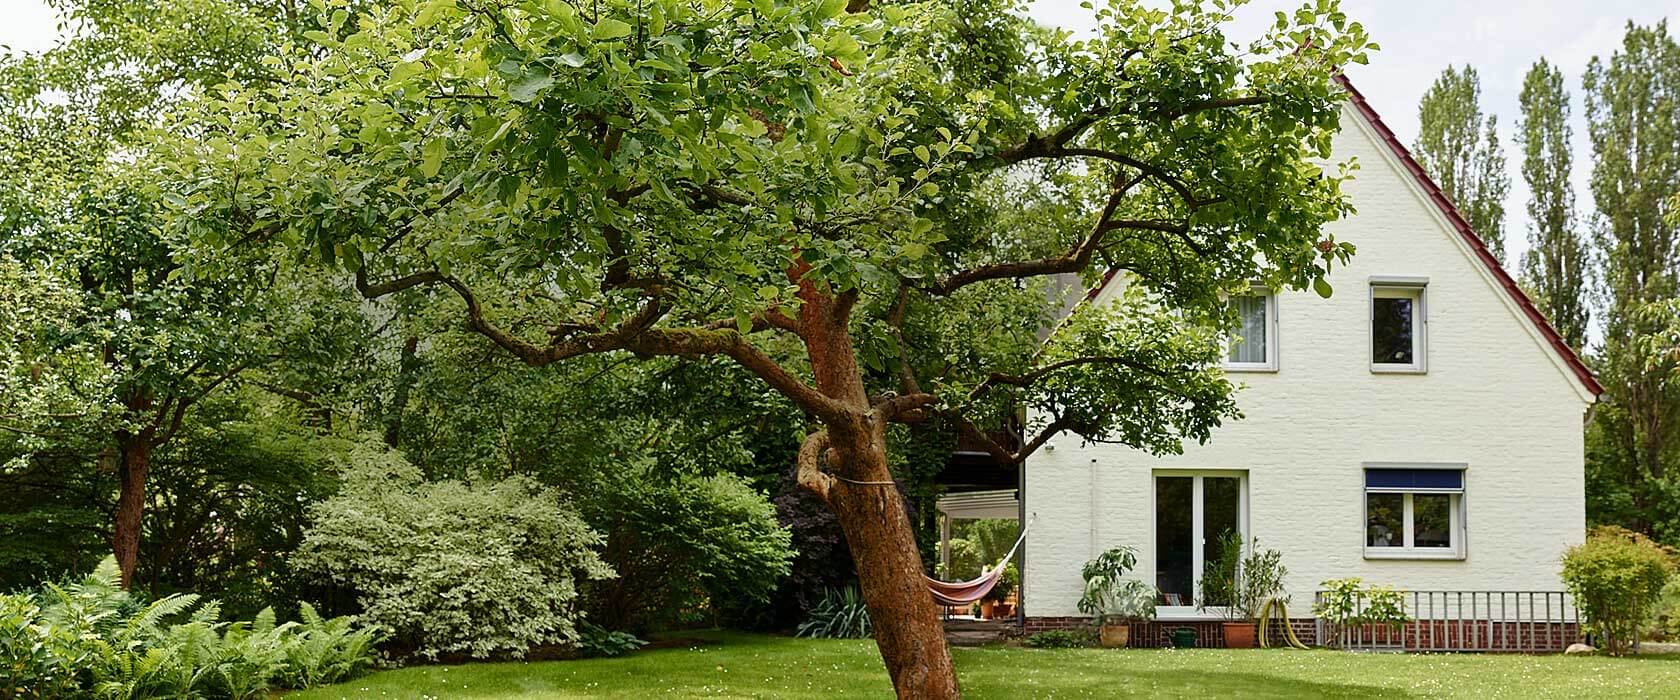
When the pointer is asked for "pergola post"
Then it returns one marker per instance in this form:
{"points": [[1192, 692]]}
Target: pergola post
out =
{"points": [[945, 544]]}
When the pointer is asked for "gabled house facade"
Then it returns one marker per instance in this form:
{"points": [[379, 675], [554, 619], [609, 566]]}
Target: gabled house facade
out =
{"points": [[1420, 428]]}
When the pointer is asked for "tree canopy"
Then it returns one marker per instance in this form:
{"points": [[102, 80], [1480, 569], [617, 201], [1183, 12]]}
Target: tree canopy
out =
{"points": [[788, 184]]}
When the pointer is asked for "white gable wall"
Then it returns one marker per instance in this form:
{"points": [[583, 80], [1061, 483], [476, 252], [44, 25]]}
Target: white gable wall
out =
{"points": [[1494, 398]]}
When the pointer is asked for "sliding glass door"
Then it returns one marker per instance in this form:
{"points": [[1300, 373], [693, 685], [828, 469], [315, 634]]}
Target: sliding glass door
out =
{"points": [[1193, 511]]}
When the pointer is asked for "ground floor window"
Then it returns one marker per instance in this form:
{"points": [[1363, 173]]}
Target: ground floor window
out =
{"points": [[1414, 512], [1193, 510]]}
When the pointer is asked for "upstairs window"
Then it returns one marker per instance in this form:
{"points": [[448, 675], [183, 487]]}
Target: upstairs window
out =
{"points": [[1414, 513], [1254, 347], [1398, 325]]}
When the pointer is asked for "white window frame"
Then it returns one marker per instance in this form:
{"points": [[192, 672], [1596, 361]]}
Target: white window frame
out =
{"points": [[1457, 532], [1197, 538], [1400, 287], [1271, 326]]}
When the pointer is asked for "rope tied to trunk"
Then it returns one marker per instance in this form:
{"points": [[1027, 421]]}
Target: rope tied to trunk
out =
{"points": [[864, 483]]}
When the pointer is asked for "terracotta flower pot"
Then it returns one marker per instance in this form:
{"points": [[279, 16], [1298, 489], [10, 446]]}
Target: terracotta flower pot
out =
{"points": [[1239, 635], [1116, 636]]}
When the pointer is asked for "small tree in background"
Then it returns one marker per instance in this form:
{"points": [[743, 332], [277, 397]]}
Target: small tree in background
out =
{"points": [[1462, 154], [1616, 577]]}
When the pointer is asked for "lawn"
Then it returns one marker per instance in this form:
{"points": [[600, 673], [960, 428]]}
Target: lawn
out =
{"points": [[738, 665]]}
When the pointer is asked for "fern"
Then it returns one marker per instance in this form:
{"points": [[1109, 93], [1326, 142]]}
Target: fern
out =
{"points": [[91, 639]]}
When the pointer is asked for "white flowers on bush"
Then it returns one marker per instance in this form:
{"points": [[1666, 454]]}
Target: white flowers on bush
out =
{"points": [[483, 568]]}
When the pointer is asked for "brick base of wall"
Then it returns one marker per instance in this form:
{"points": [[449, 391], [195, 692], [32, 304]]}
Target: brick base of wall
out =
{"points": [[1470, 635], [1420, 635], [1158, 633]]}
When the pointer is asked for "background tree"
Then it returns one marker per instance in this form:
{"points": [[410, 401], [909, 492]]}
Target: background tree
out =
{"points": [[785, 185], [84, 206], [1463, 154], [1554, 270], [1633, 113]]}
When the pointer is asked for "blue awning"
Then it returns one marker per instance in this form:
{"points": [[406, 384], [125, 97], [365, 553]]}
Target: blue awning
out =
{"points": [[1415, 479]]}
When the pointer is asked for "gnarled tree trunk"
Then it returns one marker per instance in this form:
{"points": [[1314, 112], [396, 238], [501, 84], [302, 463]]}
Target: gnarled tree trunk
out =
{"points": [[858, 487], [883, 546]]}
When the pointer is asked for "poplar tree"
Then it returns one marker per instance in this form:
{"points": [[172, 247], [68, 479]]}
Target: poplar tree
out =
{"points": [[1554, 270], [1461, 152], [1633, 114]]}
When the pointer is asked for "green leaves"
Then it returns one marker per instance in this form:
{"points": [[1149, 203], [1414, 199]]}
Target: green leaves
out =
{"points": [[594, 160], [530, 84], [830, 9], [609, 28], [432, 157]]}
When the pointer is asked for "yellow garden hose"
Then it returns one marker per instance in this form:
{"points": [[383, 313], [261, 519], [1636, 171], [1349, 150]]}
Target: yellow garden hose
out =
{"points": [[1274, 608]]}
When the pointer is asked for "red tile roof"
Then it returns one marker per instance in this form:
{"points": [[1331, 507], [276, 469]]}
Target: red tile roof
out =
{"points": [[1477, 247]]}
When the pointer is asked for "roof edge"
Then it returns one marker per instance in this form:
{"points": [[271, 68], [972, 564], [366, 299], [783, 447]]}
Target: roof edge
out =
{"points": [[1477, 246]]}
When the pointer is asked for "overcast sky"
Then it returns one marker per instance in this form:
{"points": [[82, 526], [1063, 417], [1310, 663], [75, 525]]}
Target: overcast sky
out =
{"points": [[1418, 37]]}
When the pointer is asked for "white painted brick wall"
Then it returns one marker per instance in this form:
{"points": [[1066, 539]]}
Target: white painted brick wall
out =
{"points": [[1494, 397]]}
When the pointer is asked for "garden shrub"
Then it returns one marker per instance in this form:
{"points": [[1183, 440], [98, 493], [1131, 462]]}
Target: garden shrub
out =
{"points": [[1110, 597], [92, 638], [1006, 584], [682, 544], [449, 567], [1063, 639], [1240, 583], [840, 614], [1348, 602], [1616, 578]]}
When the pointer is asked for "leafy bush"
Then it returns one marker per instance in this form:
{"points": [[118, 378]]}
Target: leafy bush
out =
{"points": [[1616, 577], [1348, 602], [1006, 584], [93, 638], [840, 614], [448, 567], [1239, 584], [979, 543], [1109, 594], [595, 640], [681, 543], [1062, 639]]}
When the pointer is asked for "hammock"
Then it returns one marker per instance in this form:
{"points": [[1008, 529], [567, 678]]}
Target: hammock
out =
{"points": [[960, 593]]}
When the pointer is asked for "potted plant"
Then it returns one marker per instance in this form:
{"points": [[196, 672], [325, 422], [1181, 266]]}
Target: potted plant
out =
{"points": [[995, 603], [1238, 586], [1114, 601]]}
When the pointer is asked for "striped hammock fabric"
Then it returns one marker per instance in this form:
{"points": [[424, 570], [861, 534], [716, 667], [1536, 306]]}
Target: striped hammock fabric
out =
{"points": [[960, 593]]}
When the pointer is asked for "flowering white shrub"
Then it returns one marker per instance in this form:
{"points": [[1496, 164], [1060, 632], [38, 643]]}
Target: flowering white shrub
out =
{"points": [[446, 566]]}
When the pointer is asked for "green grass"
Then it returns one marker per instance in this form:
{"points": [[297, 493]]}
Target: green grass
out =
{"points": [[739, 665]]}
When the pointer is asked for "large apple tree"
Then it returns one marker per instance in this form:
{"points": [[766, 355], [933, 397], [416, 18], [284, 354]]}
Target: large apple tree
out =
{"points": [[791, 186]]}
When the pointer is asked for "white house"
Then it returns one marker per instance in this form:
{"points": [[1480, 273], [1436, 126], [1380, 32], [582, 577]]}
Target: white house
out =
{"points": [[1421, 428]]}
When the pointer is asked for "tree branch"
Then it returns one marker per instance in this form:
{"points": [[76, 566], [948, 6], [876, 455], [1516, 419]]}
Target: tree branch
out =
{"points": [[638, 336], [895, 320], [1075, 260], [374, 291], [772, 317], [1030, 378], [810, 475], [909, 408], [974, 434]]}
